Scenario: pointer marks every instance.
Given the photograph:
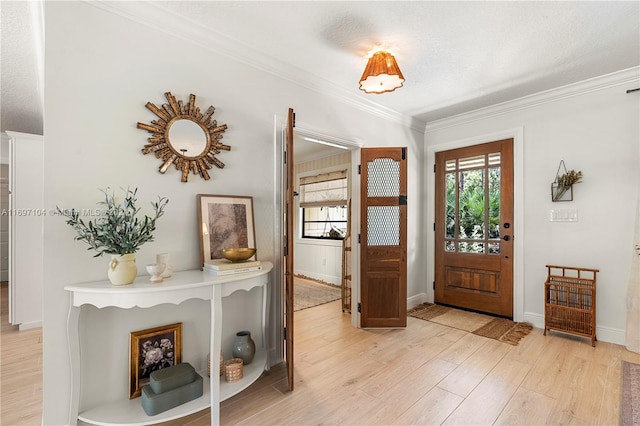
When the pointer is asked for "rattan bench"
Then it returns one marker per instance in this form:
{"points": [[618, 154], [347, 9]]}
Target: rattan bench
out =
{"points": [[570, 301]]}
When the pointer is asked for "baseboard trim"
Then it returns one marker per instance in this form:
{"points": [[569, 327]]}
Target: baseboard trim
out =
{"points": [[29, 325], [603, 333], [416, 300]]}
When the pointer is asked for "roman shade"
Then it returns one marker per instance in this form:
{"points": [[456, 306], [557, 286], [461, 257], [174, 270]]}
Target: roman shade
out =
{"points": [[327, 189]]}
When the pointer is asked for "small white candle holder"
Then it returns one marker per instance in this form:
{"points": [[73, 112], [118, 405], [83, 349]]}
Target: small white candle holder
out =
{"points": [[156, 270]]}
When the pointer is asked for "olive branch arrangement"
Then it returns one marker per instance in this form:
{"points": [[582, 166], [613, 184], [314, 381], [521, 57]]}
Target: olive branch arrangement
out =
{"points": [[118, 231]]}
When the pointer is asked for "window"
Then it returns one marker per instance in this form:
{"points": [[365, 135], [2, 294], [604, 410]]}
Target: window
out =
{"points": [[324, 222], [323, 201]]}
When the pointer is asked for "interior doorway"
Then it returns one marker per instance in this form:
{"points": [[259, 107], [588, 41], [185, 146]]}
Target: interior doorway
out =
{"points": [[322, 218]]}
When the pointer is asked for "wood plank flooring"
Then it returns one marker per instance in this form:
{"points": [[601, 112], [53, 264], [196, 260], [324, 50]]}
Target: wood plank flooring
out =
{"points": [[20, 370], [425, 374]]}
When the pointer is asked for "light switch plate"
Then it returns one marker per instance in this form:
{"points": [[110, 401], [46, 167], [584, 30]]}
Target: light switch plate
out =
{"points": [[563, 215]]}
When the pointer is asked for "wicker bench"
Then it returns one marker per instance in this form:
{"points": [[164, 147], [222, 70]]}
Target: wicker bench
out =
{"points": [[570, 301]]}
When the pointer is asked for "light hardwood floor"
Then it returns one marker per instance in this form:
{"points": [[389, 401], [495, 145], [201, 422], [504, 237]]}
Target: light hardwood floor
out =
{"points": [[422, 375], [20, 370]]}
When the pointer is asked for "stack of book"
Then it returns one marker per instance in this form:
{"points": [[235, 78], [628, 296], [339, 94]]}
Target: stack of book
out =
{"points": [[226, 267]]}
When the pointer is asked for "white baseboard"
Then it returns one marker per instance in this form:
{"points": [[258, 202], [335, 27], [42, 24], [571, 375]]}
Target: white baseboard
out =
{"points": [[603, 333], [29, 325], [416, 300], [331, 279]]}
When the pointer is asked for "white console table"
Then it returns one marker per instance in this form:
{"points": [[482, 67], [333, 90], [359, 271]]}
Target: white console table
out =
{"points": [[194, 284]]}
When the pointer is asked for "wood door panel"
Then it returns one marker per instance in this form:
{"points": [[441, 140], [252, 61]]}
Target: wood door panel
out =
{"points": [[472, 280], [472, 262], [384, 259]]}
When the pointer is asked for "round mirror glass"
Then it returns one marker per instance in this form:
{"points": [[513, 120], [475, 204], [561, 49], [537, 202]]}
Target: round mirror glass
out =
{"points": [[187, 137]]}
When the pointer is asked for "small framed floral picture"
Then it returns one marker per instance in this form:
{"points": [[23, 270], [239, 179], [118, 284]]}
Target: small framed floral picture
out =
{"points": [[153, 349]]}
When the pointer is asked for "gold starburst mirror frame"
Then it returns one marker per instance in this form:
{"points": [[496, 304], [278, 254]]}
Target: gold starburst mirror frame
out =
{"points": [[184, 136]]}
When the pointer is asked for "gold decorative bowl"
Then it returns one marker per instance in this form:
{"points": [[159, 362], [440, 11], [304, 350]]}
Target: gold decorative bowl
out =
{"points": [[237, 254]]}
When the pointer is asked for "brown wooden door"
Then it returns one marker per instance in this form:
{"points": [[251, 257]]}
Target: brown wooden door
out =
{"points": [[474, 228], [288, 246], [383, 241]]}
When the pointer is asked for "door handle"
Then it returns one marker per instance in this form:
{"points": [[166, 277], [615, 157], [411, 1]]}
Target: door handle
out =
{"points": [[506, 238]]}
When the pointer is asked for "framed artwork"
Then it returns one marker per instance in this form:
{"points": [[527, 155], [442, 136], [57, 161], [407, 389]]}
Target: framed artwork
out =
{"points": [[225, 221], [153, 349]]}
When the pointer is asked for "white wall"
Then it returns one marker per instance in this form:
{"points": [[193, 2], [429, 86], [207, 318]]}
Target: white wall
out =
{"points": [[594, 127], [100, 71]]}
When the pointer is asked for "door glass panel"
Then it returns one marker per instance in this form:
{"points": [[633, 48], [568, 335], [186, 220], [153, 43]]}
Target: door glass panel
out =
{"points": [[383, 225], [494, 159], [450, 221], [472, 204], [450, 165], [470, 247], [383, 178], [494, 202], [471, 162]]}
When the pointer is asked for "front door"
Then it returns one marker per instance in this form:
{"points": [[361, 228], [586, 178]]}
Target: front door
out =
{"points": [[474, 228], [383, 239]]}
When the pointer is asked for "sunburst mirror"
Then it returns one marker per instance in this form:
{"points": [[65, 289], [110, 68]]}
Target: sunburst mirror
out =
{"points": [[184, 136]]}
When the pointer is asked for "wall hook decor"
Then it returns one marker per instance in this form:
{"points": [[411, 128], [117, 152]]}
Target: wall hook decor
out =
{"points": [[184, 136], [562, 186]]}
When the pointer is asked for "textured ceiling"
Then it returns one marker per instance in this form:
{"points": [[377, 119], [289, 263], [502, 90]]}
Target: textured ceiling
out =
{"points": [[21, 56], [455, 56]]}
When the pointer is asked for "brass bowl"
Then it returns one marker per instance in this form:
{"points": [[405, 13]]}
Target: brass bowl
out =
{"points": [[237, 254]]}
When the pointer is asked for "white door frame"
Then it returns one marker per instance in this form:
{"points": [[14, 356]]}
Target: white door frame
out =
{"points": [[518, 212]]}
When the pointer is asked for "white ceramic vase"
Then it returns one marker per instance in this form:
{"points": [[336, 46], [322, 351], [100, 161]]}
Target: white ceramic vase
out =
{"points": [[164, 258], [122, 269]]}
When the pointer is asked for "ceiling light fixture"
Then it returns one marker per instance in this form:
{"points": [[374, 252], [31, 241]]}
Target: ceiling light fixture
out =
{"points": [[382, 74]]}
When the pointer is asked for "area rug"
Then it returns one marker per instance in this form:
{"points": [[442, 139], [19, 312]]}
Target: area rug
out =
{"points": [[308, 293], [630, 395], [501, 329]]}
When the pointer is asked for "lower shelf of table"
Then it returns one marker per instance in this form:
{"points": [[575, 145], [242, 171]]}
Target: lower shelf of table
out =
{"points": [[130, 412]]}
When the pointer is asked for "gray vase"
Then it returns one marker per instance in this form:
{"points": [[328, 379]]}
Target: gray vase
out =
{"points": [[244, 347]]}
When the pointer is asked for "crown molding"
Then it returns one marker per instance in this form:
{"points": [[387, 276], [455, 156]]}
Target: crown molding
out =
{"points": [[157, 17], [618, 78]]}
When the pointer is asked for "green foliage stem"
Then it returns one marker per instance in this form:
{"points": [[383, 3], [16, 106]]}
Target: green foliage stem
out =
{"points": [[118, 231]]}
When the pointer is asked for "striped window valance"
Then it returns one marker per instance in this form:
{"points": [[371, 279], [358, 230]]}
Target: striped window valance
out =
{"points": [[327, 189]]}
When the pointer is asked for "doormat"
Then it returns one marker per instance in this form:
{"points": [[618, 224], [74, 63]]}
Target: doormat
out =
{"points": [[308, 293], [630, 396], [501, 329]]}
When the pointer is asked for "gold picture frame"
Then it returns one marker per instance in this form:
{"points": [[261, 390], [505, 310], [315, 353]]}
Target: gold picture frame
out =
{"points": [[150, 350], [224, 221]]}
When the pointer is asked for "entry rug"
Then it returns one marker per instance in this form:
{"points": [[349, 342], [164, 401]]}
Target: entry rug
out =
{"points": [[630, 396], [309, 293], [501, 329]]}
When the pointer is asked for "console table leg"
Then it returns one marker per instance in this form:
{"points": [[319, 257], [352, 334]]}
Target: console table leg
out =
{"points": [[74, 361], [215, 344]]}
